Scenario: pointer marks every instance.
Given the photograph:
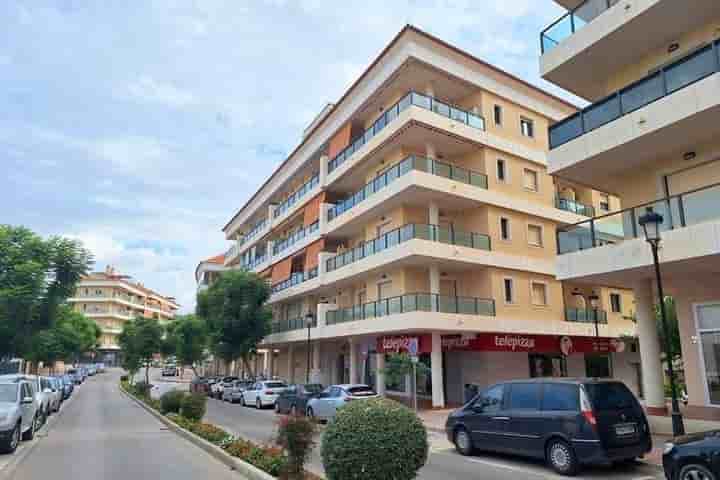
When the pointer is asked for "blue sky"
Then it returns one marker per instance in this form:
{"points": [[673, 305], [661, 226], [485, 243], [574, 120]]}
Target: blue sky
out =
{"points": [[140, 126]]}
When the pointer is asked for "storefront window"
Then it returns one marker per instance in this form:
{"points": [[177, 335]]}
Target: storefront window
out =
{"points": [[598, 366], [547, 365], [708, 317], [425, 382]]}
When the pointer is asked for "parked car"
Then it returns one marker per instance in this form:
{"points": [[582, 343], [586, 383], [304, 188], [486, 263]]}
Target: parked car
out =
{"points": [[566, 422], [68, 385], [75, 374], [324, 405], [100, 367], [91, 370], [18, 413], [263, 394], [55, 392], [693, 457], [217, 387], [42, 398], [233, 393], [295, 398], [169, 371], [198, 385]]}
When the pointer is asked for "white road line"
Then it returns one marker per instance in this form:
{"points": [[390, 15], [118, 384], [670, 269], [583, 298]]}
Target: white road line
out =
{"points": [[513, 468]]}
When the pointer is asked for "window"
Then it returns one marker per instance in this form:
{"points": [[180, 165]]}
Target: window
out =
{"points": [[598, 366], [491, 400], [526, 127], [497, 114], [610, 396], [525, 396], [501, 170], [615, 305], [539, 293], [530, 180], [509, 290], [504, 228], [605, 202], [535, 235], [545, 365], [559, 397]]}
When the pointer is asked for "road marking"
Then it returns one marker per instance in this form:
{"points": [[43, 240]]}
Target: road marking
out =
{"points": [[513, 468]]}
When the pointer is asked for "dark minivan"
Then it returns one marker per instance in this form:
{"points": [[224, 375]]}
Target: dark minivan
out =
{"points": [[566, 422]]}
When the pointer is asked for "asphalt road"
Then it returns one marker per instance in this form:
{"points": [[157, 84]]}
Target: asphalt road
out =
{"points": [[103, 435]]}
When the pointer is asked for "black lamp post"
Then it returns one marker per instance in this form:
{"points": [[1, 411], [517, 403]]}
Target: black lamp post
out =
{"points": [[309, 320], [594, 304], [650, 222]]}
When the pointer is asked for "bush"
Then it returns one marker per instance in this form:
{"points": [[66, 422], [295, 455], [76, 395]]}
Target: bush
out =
{"points": [[374, 439], [269, 460], [295, 435], [171, 401], [193, 406], [209, 432], [142, 389], [181, 421]]}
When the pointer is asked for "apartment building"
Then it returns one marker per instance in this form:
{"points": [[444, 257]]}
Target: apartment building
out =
{"points": [[417, 214], [651, 72], [208, 271], [111, 298]]}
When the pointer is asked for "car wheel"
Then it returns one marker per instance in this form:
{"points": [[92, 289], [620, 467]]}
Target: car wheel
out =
{"points": [[561, 457], [30, 434], [12, 442], [258, 403], [695, 471], [463, 442]]}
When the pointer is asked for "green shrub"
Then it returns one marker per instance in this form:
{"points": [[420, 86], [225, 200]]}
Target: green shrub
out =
{"points": [[209, 432], [141, 389], [171, 401], [181, 421], [295, 435], [374, 439], [193, 406], [267, 459]]}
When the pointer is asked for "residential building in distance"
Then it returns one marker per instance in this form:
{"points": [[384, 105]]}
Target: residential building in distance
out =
{"points": [[651, 72], [208, 271], [111, 299], [417, 215]]}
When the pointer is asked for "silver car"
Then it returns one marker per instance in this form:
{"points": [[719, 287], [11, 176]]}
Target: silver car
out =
{"points": [[233, 393], [325, 405], [18, 414], [42, 397], [56, 393]]}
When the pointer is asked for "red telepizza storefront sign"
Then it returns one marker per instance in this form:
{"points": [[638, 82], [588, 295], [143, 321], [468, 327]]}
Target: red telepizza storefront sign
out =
{"points": [[403, 343], [510, 342]]}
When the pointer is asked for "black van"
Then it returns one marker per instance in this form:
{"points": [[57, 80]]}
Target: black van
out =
{"points": [[567, 422]]}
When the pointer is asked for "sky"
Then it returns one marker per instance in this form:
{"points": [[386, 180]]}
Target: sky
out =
{"points": [[141, 126]]}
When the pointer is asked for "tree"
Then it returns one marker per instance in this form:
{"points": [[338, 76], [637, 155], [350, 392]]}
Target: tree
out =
{"points": [[169, 340], [191, 339], [140, 339], [672, 323], [399, 365], [127, 340], [234, 311], [36, 276]]}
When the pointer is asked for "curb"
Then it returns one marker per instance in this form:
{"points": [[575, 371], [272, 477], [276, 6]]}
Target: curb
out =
{"points": [[249, 471]]}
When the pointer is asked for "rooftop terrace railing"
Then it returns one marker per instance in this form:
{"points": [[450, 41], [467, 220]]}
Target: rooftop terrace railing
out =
{"points": [[572, 21]]}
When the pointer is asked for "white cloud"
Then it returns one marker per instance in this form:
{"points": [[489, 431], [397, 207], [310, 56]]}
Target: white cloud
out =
{"points": [[147, 89]]}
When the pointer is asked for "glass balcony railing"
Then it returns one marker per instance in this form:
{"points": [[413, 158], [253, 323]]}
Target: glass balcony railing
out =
{"points": [[403, 234], [667, 80], [413, 302], [295, 237], [257, 228], [295, 279], [572, 21], [286, 204], [250, 265], [291, 324], [574, 207], [585, 315], [411, 99], [678, 211], [412, 162]]}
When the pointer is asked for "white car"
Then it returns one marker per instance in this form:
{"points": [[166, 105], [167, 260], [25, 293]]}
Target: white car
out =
{"points": [[42, 397], [263, 394], [325, 405]]}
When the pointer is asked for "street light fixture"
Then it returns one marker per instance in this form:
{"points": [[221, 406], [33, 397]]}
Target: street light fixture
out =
{"points": [[309, 321], [650, 222]]}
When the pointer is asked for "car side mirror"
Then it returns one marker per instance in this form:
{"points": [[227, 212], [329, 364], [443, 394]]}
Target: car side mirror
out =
{"points": [[27, 400]]}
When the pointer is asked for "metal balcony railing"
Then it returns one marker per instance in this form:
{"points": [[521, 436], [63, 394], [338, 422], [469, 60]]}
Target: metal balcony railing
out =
{"points": [[412, 162], [295, 279], [689, 208], [411, 99], [407, 232], [286, 204], [288, 325], [257, 228], [413, 302], [665, 81], [585, 315], [295, 237], [572, 21], [574, 207]]}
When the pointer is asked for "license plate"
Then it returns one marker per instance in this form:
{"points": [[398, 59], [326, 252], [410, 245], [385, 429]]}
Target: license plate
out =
{"points": [[626, 429]]}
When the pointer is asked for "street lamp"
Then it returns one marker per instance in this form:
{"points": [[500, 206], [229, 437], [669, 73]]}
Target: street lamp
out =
{"points": [[309, 320], [594, 304], [650, 222]]}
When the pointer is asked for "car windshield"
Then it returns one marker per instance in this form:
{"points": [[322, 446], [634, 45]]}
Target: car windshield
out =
{"points": [[275, 384], [8, 392], [610, 396], [360, 391], [314, 388]]}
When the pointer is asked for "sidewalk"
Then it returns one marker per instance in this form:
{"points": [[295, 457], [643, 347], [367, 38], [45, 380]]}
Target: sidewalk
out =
{"points": [[434, 420]]}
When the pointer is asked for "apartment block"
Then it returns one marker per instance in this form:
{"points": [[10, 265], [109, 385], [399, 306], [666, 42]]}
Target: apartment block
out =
{"points": [[208, 271], [111, 299], [650, 70], [417, 215]]}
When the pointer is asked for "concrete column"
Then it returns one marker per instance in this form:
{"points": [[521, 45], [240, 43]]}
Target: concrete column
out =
{"points": [[315, 376], [271, 362], [436, 360], [430, 150], [652, 369], [433, 214], [291, 364], [323, 170], [353, 361], [380, 375], [434, 272]]}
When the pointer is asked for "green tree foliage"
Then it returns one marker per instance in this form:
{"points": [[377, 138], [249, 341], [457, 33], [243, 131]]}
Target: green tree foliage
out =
{"points": [[72, 335], [234, 311], [191, 340], [399, 365], [36, 276], [139, 340], [672, 323], [131, 359]]}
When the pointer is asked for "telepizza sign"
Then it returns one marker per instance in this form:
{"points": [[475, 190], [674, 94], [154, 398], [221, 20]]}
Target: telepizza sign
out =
{"points": [[508, 342]]}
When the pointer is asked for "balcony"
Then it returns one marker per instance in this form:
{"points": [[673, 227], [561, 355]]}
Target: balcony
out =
{"points": [[287, 204], [301, 233], [574, 207], [572, 21], [295, 279], [403, 234], [410, 163], [586, 315], [291, 324], [255, 262], [411, 99], [667, 110], [413, 302]]}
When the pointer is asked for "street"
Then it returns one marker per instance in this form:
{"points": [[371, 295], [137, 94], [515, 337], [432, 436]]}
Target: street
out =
{"points": [[100, 434]]}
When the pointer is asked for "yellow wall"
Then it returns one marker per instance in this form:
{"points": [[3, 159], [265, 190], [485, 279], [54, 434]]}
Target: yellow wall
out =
{"points": [[523, 309]]}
